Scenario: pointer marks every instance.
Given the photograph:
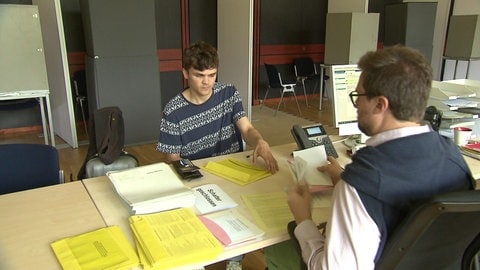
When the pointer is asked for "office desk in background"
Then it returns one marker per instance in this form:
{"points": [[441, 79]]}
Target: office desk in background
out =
{"points": [[32, 219], [43, 98]]}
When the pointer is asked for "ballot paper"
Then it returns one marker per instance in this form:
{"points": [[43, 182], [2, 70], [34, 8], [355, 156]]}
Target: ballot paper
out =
{"points": [[303, 167]]}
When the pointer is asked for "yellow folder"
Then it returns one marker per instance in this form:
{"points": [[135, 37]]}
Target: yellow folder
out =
{"points": [[237, 171], [106, 248]]}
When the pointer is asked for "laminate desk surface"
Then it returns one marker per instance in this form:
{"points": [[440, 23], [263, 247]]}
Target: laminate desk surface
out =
{"points": [[116, 213], [474, 165], [33, 219]]}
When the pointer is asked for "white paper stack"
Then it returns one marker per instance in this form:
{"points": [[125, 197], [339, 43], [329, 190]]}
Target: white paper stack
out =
{"points": [[151, 188]]}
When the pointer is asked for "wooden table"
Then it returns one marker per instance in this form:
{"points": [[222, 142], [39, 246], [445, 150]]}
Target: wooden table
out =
{"points": [[474, 165], [33, 219], [116, 213]]}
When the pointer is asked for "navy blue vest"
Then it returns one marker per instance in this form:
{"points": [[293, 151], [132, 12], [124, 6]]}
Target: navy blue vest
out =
{"points": [[392, 177]]}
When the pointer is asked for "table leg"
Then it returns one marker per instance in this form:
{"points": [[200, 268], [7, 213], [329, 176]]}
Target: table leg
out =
{"points": [[44, 123], [50, 122], [322, 69]]}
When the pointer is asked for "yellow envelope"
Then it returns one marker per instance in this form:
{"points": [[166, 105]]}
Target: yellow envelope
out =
{"points": [[106, 248]]}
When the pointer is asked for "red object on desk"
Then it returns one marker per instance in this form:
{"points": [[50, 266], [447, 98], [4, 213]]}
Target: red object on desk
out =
{"points": [[473, 146]]}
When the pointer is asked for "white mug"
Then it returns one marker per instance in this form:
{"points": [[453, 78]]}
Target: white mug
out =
{"points": [[461, 135]]}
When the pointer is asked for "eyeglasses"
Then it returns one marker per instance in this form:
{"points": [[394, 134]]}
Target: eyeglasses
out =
{"points": [[353, 97]]}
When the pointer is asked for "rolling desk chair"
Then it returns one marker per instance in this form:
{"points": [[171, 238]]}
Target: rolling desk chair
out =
{"points": [[28, 166], [275, 81], [442, 233]]}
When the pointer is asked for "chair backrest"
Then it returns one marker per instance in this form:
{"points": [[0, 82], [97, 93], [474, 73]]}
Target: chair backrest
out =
{"points": [[304, 66], [273, 76], [443, 233], [28, 166], [80, 83]]}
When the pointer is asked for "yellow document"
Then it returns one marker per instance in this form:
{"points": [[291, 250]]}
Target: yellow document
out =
{"points": [[173, 238], [237, 171], [270, 210], [106, 248]]}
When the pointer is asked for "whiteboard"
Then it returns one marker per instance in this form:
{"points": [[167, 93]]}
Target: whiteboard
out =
{"points": [[22, 64]]}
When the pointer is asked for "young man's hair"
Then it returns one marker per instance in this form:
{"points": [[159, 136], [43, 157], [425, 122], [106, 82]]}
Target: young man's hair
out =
{"points": [[401, 74], [200, 56]]}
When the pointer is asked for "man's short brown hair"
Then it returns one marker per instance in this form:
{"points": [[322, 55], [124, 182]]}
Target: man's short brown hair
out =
{"points": [[401, 74], [200, 56]]}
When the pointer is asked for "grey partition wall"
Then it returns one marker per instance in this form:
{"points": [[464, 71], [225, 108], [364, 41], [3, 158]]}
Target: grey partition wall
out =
{"points": [[122, 64], [411, 24]]}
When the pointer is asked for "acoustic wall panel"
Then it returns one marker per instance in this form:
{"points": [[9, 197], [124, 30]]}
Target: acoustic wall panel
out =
{"points": [[133, 84], [349, 36], [119, 27], [463, 41], [122, 64], [411, 24]]}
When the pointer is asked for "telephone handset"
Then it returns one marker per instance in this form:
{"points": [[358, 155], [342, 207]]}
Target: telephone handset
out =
{"points": [[313, 135]]}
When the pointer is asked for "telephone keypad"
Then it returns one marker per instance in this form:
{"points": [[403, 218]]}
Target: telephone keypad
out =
{"points": [[325, 140]]}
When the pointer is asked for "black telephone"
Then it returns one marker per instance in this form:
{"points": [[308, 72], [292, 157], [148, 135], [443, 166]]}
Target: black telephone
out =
{"points": [[433, 117], [313, 135]]}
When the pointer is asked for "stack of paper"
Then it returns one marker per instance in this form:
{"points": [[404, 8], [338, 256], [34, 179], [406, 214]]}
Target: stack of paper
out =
{"points": [[173, 238], [106, 248], [304, 165], [237, 171], [231, 228], [269, 210], [471, 150], [151, 188], [448, 95]]}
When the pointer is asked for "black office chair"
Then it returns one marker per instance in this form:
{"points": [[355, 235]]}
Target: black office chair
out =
{"points": [[305, 70], [28, 166], [80, 94], [275, 81], [443, 233]]}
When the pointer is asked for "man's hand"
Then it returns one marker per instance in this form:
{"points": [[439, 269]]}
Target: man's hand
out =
{"points": [[333, 169], [299, 201], [262, 149]]}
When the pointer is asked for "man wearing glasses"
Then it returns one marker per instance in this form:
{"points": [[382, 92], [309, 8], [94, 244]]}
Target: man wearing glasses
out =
{"points": [[403, 162]]}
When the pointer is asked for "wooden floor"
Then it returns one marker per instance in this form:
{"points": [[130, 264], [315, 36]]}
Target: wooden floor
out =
{"points": [[71, 159]]}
